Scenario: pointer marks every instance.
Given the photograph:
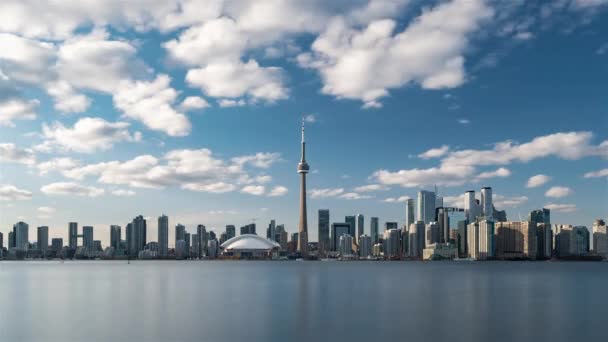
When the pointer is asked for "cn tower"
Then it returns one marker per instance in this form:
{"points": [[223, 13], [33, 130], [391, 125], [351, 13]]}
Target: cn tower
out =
{"points": [[303, 226]]}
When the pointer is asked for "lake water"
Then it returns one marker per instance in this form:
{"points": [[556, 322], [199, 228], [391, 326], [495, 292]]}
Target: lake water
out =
{"points": [[303, 301]]}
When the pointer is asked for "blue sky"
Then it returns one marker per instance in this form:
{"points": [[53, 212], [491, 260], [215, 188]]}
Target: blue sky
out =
{"points": [[110, 110]]}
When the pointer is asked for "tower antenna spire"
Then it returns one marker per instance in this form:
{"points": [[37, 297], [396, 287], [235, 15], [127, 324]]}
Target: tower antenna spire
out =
{"points": [[302, 129]]}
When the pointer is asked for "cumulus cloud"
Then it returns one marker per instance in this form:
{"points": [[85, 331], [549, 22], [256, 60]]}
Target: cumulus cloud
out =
{"points": [[61, 164], [322, 193], [558, 192], [254, 190], [47, 211], [538, 180], [459, 167], [17, 109], [71, 188], [191, 169], [435, 152], [67, 100], [354, 196], [371, 187], [10, 153], [400, 199], [10, 192], [310, 118], [194, 102], [365, 63], [88, 135], [508, 202], [123, 193], [278, 191], [597, 174], [226, 103], [561, 208], [152, 104]]}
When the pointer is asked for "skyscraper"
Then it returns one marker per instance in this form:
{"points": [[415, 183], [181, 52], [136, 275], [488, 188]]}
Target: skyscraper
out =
{"points": [[337, 230], [471, 207], [416, 239], [115, 236], [138, 236], [230, 231], [43, 240], [360, 226], [303, 225], [270, 230], [323, 231], [352, 221], [515, 240], [73, 235], [163, 236], [201, 231], [486, 202], [373, 229], [365, 246], [21, 235], [180, 233], [426, 206], [87, 237], [409, 212], [480, 244]]}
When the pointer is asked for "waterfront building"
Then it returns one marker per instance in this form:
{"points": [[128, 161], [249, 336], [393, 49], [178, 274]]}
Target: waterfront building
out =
{"points": [[345, 245], [115, 236], [203, 238], [377, 250], [352, 221], [600, 238], [410, 215], [249, 246], [337, 230], [248, 229], [21, 235], [138, 235], [472, 208], [416, 239], [303, 223], [432, 234], [515, 240], [195, 250], [544, 240], [425, 210], [487, 209], [180, 249], [180, 233], [43, 240], [323, 231], [230, 231], [163, 236], [213, 248], [365, 246], [392, 243], [373, 225], [360, 226], [57, 245], [270, 229], [481, 240], [87, 237], [439, 251], [73, 235]]}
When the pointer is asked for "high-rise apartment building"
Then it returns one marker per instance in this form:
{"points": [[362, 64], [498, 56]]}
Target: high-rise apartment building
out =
{"points": [[163, 236], [352, 221], [410, 215], [480, 244], [337, 230], [323, 231], [416, 239], [365, 246], [487, 210], [21, 235], [373, 230], [43, 240], [87, 237], [515, 240], [73, 235], [360, 226], [425, 210], [115, 237]]}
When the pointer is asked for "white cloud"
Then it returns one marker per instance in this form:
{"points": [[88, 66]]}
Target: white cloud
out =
{"points": [[234, 80], [464, 121], [152, 104], [558, 192], [322, 193], [214, 188], [10, 153], [10, 192], [225, 103], [67, 100], [365, 64], [537, 180], [47, 210], [508, 202], [354, 196], [261, 159], [400, 199], [435, 152], [371, 187], [123, 193], [17, 109], [25, 60], [500, 172], [459, 167], [70, 188], [561, 208], [597, 174], [194, 102], [61, 164], [88, 135], [254, 190], [310, 118], [278, 191]]}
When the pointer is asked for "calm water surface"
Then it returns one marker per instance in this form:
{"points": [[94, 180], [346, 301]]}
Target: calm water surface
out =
{"points": [[303, 301]]}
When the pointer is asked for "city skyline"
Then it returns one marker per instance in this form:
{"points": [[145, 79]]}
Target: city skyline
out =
{"points": [[154, 135]]}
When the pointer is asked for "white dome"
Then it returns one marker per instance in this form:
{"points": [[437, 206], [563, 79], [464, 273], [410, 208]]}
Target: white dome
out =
{"points": [[249, 242]]}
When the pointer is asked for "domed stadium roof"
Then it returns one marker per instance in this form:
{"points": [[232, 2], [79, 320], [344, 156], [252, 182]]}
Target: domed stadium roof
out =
{"points": [[249, 242]]}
